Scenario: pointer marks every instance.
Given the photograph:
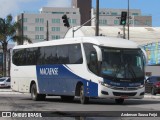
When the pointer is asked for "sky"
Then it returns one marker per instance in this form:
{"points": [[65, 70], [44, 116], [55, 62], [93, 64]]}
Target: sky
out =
{"points": [[15, 7]]}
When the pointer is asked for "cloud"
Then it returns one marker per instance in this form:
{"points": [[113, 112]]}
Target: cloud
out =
{"points": [[7, 7], [12, 6], [58, 3], [15, 7]]}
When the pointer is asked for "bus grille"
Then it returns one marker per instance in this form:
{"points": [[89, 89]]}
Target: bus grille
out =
{"points": [[126, 94], [125, 89]]}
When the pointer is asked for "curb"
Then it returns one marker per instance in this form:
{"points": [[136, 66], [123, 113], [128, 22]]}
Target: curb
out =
{"points": [[152, 96]]}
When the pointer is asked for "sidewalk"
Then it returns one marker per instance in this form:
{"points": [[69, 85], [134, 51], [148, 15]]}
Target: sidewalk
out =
{"points": [[147, 95], [8, 91]]}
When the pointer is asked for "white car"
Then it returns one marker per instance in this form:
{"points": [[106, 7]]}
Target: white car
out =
{"points": [[5, 82]]}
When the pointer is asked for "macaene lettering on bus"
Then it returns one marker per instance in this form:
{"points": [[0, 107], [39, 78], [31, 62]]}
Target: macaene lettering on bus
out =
{"points": [[48, 71]]}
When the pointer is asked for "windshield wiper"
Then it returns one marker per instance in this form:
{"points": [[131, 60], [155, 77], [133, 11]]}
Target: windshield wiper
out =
{"points": [[117, 70], [130, 69]]}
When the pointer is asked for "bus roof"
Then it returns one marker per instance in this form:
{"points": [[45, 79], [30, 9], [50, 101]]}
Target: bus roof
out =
{"points": [[99, 40]]}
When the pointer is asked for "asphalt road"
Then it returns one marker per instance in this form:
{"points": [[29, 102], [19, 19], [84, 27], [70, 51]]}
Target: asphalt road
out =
{"points": [[95, 110]]}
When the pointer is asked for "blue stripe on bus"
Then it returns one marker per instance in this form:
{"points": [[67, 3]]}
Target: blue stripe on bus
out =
{"points": [[58, 80]]}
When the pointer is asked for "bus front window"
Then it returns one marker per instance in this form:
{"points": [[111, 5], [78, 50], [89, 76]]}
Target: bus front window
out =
{"points": [[122, 63]]}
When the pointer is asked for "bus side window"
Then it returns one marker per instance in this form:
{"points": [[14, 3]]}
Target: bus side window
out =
{"points": [[19, 57], [75, 54], [62, 54], [93, 64], [91, 57]]}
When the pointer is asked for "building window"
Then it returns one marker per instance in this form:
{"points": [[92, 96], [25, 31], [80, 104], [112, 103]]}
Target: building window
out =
{"points": [[136, 22], [72, 21], [55, 28], [55, 37], [105, 22], [131, 22], [39, 28], [25, 20], [114, 13], [39, 20], [39, 37], [148, 23], [116, 22], [25, 28], [26, 36], [102, 22], [55, 20], [36, 28], [57, 12], [135, 14]]}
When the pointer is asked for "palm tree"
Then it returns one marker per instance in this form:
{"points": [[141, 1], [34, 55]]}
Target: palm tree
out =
{"points": [[8, 30]]}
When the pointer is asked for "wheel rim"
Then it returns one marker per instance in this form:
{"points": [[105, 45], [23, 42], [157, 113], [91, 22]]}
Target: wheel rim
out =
{"points": [[34, 92], [81, 94]]}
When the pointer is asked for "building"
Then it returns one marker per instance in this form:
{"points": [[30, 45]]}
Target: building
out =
{"points": [[111, 17], [85, 10], [35, 24]]}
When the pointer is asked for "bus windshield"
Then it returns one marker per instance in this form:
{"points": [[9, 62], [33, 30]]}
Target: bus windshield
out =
{"points": [[120, 63]]}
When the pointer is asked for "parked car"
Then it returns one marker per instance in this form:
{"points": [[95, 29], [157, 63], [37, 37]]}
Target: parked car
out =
{"points": [[153, 85], [5, 82]]}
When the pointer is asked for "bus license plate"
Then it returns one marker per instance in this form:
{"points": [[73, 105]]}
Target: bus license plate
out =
{"points": [[124, 96]]}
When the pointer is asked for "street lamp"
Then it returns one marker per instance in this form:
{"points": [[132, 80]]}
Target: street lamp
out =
{"points": [[97, 18]]}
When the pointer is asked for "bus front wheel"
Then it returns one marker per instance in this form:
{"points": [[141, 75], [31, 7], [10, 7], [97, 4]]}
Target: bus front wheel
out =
{"points": [[83, 99], [34, 95]]}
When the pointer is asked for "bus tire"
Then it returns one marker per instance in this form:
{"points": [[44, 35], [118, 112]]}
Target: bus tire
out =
{"points": [[83, 99], [67, 98], [119, 101], [34, 95]]}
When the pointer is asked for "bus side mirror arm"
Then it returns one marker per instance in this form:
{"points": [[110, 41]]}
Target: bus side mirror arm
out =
{"points": [[99, 53], [99, 58]]}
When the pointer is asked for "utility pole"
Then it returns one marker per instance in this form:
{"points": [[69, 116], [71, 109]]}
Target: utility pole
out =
{"points": [[124, 34], [97, 18], [47, 33], [128, 19], [22, 24]]}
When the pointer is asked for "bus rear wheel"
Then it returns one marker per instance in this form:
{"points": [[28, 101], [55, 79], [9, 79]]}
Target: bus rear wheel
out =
{"points": [[119, 101], [34, 95], [83, 99]]}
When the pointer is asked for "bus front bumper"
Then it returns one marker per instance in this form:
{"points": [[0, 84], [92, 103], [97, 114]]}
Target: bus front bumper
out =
{"points": [[124, 93]]}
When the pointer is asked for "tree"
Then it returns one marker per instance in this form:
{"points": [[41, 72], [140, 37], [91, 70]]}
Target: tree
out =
{"points": [[8, 30]]}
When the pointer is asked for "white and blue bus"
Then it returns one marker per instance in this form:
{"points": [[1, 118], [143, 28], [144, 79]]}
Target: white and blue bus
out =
{"points": [[88, 67]]}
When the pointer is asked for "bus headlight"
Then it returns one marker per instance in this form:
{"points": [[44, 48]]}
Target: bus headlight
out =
{"points": [[104, 84]]}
